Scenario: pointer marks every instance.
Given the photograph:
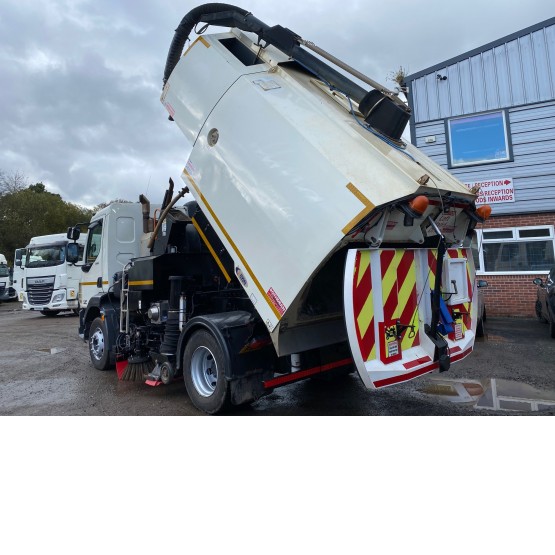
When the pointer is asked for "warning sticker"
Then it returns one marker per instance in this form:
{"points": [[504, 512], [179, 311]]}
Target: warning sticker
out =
{"points": [[392, 349], [459, 334], [276, 301]]}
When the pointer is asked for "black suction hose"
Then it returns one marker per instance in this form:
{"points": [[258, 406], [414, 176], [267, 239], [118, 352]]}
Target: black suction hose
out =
{"points": [[389, 118], [227, 15], [186, 26]]}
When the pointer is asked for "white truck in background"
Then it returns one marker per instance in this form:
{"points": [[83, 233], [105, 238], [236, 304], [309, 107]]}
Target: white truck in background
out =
{"points": [[50, 283], [7, 292], [18, 271]]}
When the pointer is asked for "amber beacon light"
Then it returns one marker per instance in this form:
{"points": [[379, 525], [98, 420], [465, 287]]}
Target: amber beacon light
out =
{"points": [[484, 212], [419, 204]]}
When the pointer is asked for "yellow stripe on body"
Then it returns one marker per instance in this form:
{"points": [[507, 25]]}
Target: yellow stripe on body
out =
{"points": [[389, 281], [366, 315], [405, 294], [142, 282], [368, 207], [199, 39], [92, 283], [212, 251], [233, 246], [364, 262]]}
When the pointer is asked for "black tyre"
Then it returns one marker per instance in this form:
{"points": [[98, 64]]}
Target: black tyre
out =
{"points": [[204, 373], [50, 313], [99, 345], [552, 329], [480, 328], [539, 312]]}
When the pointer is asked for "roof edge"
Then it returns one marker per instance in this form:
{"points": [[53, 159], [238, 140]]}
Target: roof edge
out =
{"points": [[479, 49]]}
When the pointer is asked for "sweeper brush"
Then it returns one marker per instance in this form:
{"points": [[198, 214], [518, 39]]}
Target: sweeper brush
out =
{"points": [[138, 368]]}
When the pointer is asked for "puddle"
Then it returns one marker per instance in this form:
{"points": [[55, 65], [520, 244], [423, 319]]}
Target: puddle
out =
{"points": [[491, 394]]}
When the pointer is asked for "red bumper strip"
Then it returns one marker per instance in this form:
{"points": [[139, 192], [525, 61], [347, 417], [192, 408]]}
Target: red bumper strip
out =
{"points": [[287, 378], [416, 362], [420, 372]]}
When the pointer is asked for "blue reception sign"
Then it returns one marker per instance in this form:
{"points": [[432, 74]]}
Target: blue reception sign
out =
{"points": [[478, 139]]}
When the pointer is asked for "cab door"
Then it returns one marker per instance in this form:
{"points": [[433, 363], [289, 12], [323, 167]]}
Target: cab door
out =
{"points": [[92, 279]]}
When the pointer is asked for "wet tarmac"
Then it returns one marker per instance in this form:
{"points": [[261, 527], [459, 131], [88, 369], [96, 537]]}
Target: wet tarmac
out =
{"points": [[46, 371], [493, 394]]}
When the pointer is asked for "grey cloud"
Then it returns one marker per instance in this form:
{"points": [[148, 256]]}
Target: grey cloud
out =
{"points": [[81, 80]]}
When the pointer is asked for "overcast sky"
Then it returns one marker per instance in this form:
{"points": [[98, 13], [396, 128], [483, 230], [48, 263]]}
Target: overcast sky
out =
{"points": [[81, 79]]}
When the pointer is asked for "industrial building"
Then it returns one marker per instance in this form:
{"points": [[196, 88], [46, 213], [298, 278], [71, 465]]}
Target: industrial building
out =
{"points": [[488, 116]]}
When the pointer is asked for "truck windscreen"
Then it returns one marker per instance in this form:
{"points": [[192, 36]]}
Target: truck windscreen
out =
{"points": [[47, 255]]}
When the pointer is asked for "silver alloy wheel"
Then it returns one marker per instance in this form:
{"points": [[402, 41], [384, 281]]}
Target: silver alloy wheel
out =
{"points": [[97, 344], [204, 371]]}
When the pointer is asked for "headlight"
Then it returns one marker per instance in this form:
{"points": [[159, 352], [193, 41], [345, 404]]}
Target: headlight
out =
{"points": [[58, 297]]}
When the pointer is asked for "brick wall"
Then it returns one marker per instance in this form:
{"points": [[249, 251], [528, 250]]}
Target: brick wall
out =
{"points": [[513, 295]]}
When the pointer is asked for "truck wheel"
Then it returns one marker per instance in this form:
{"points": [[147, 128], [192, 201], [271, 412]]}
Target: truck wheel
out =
{"points": [[99, 349], [552, 329], [50, 313], [204, 373], [480, 328], [539, 312]]}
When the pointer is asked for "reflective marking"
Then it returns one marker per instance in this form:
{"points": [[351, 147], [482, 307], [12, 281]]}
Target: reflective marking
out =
{"points": [[363, 306], [368, 207], [92, 283], [212, 251], [142, 282], [233, 246], [199, 39], [398, 269]]}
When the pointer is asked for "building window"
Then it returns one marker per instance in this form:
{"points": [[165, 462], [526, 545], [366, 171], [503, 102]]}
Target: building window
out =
{"points": [[516, 250], [478, 139]]}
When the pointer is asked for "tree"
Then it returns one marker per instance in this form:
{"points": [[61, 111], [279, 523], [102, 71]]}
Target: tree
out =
{"points": [[31, 211], [12, 183], [104, 204]]}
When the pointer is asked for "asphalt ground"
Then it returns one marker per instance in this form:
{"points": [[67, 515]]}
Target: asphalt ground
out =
{"points": [[46, 371]]}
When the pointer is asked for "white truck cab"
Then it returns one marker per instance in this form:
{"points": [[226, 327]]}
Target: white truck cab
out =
{"points": [[50, 282], [114, 238], [7, 292]]}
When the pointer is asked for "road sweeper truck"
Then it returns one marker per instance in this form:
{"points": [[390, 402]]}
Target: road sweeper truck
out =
{"points": [[317, 240]]}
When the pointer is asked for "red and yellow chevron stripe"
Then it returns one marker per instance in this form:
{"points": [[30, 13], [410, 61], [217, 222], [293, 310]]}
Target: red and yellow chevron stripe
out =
{"points": [[363, 305], [398, 270]]}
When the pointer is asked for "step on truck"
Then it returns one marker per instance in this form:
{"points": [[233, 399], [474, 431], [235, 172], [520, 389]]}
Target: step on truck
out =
{"points": [[317, 241], [50, 282]]}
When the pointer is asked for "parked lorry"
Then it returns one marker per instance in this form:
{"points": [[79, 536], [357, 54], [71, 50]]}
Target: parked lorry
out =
{"points": [[50, 283], [317, 240], [7, 292], [18, 271]]}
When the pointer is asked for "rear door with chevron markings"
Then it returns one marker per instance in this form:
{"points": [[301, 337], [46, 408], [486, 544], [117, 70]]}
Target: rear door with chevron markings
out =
{"points": [[387, 297]]}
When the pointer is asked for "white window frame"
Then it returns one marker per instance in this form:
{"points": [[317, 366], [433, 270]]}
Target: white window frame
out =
{"points": [[514, 239]]}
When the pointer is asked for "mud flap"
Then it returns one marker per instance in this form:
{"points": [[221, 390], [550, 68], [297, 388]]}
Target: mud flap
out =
{"points": [[388, 309]]}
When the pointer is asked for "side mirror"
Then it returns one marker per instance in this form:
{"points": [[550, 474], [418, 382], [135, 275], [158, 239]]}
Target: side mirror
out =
{"points": [[73, 233], [18, 262], [482, 283], [538, 281], [72, 251]]}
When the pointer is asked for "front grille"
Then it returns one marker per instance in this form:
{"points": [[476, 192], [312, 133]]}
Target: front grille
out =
{"points": [[2, 289], [39, 290]]}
